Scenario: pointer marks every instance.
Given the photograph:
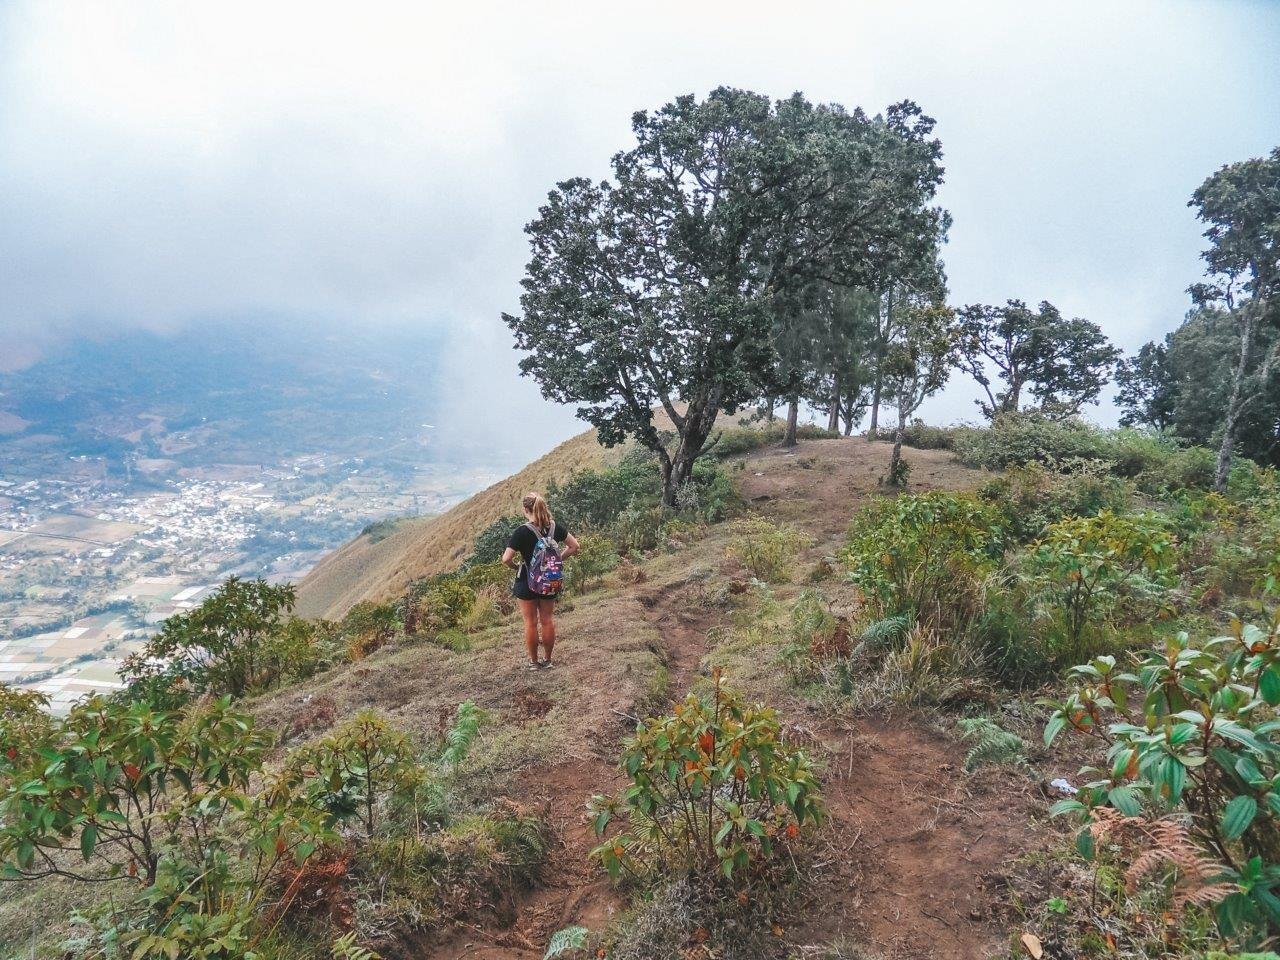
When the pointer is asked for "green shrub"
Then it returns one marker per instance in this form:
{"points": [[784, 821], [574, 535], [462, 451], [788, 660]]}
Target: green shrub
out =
{"points": [[923, 554], [767, 549], [241, 639], [1190, 735], [491, 542], [368, 626], [586, 568], [920, 435], [714, 790], [1031, 497], [356, 771], [159, 802], [1015, 439], [1084, 566]]}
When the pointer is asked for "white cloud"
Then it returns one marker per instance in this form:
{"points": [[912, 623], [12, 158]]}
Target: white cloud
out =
{"points": [[162, 164]]}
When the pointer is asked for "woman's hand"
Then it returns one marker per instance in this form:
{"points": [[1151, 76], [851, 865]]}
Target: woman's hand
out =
{"points": [[509, 559], [571, 546]]}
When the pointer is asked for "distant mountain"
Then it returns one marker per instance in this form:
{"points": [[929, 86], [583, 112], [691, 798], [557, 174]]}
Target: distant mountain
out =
{"points": [[225, 393]]}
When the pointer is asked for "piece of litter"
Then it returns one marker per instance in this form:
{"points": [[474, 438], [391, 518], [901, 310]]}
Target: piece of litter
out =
{"points": [[1032, 944], [759, 474], [1063, 786]]}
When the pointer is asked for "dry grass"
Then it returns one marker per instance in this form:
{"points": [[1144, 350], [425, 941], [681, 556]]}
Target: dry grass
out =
{"points": [[421, 547]]}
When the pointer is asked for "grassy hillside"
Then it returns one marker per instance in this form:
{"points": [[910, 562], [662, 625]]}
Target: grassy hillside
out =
{"points": [[376, 569], [899, 642]]}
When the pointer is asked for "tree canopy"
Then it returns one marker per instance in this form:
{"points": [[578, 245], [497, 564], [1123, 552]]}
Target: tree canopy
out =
{"points": [[1062, 364], [660, 289]]}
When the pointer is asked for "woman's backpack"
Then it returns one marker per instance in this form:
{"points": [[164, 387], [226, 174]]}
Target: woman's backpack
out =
{"points": [[545, 575]]}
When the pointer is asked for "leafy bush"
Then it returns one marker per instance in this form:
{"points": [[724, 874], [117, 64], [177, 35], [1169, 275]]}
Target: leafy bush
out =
{"points": [[1191, 735], [369, 626], [239, 640], [920, 435], [714, 791], [24, 723], [767, 549], [1084, 566], [127, 785], [1031, 497], [586, 568], [438, 604], [899, 473], [491, 542], [922, 554], [1016, 439], [356, 771], [734, 441]]}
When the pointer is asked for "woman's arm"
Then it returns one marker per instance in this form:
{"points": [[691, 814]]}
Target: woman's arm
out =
{"points": [[571, 546], [511, 559]]}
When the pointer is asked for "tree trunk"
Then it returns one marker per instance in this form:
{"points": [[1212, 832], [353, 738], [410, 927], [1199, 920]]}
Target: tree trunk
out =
{"points": [[793, 420], [881, 336], [833, 418], [1231, 423], [698, 422], [897, 447]]}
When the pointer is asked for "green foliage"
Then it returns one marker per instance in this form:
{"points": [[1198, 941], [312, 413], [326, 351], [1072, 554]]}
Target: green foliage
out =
{"points": [[130, 788], [24, 722], [368, 626], [920, 553], [920, 435], [988, 742], [346, 948], [767, 549], [587, 567], [491, 542], [357, 771], [1191, 733], [1015, 439], [603, 255], [713, 790], [239, 640], [1062, 364], [379, 530], [899, 473], [1031, 497], [1085, 565], [566, 942]]}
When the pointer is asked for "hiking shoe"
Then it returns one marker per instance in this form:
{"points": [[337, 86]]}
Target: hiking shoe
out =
{"points": [[533, 666], [545, 665]]}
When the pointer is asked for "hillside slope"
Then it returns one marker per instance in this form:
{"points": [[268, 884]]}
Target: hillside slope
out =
{"points": [[903, 816], [379, 569]]}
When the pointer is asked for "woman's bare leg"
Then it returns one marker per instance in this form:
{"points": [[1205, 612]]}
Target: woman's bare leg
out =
{"points": [[546, 620], [529, 610]]}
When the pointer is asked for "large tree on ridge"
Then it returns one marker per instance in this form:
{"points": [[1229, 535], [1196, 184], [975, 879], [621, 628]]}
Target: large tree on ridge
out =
{"points": [[659, 289], [1241, 205], [1062, 364]]}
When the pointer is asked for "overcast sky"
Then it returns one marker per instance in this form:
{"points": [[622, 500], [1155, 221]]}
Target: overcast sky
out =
{"points": [[166, 165]]}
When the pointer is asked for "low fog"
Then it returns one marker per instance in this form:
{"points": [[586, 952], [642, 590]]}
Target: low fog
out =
{"points": [[168, 168]]}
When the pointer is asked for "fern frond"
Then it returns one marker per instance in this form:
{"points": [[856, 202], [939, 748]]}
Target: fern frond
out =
{"points": [[566, 941], [463, 732], [882, 633], [990, 743]]}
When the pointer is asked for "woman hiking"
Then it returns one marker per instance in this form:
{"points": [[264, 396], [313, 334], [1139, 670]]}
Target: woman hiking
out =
{"points": [[533, 553]]}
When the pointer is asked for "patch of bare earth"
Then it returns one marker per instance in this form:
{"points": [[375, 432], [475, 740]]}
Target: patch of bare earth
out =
{"points": [[914, 859], [819, 484], [917, 854]]}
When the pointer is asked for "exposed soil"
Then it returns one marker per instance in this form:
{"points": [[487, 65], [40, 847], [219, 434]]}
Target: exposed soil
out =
{"points": [[819, 484], [915, 859], [919, 851]]}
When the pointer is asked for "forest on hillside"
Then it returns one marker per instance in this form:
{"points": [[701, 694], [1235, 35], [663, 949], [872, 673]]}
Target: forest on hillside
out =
{"points": [[1001, 690]]}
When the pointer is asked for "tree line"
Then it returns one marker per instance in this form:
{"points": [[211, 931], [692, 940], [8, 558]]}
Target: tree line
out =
{"points": [[749, 252]]}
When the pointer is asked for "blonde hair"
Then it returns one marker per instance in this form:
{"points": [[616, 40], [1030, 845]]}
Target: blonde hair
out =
{"points": [[537, 508]]}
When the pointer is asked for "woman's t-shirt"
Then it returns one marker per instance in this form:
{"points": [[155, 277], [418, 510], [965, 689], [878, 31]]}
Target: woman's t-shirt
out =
{"points": [[524, 540]]}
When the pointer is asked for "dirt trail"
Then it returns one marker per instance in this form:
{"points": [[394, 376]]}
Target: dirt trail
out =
{"points": [[913, 860]]}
